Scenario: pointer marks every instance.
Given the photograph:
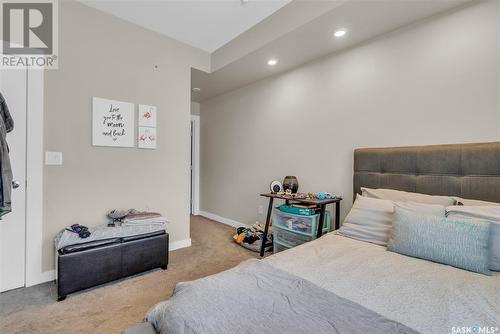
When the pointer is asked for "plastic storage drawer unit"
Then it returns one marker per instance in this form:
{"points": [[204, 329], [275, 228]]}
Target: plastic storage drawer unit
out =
{"points": [[298, 211], [289, 238], [277, 247], [292, 239], [306, 225]]}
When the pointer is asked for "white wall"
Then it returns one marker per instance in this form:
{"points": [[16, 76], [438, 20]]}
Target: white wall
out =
{"points": [[114, 59], [430, 83]]}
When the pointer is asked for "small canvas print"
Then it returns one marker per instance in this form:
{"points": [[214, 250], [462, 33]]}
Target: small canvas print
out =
{"points": [[113, 123], [147, 115], [147, 137]]}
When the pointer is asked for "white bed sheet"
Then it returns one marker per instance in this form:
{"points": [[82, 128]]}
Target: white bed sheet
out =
{"points": [[426, 296]]}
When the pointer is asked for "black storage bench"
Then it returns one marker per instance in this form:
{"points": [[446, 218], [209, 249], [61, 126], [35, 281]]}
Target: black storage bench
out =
{"points": [[85, 265]]}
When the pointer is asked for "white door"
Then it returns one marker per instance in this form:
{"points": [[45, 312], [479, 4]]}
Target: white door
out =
{"points": [[13, 225]]}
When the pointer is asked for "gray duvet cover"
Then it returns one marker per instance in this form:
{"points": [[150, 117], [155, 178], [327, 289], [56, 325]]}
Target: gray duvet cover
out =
{"points": [[256, 297]]}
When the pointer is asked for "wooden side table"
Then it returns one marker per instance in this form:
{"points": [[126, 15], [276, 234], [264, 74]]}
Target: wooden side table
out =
{"points": [[321, 203]]}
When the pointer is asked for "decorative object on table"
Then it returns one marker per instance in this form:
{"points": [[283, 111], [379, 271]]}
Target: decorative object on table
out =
{"points": [[112, 123], [291, 182], [276, 187], [146, 137], [82, 231], [146, 132], [287, 194], [322, 196]]}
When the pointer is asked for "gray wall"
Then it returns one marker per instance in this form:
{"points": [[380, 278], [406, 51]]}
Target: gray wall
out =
{"points": [[103, 56], [430, 83], [195, 108]]}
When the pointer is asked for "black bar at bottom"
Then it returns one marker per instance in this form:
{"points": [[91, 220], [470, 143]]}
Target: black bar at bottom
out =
{"points": [[266, 229], [337, 215], [321, 221]]}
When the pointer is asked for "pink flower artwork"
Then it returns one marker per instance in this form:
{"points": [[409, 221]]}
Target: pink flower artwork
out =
{"points": [[147, 137], [147, 115]]}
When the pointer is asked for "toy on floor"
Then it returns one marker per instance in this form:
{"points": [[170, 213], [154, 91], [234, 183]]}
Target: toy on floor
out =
{"points": [[251, 237]]}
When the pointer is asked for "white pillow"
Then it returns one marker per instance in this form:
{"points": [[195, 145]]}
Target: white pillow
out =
{"points": [[422, 208], [404, 196], [490, 214], [370, 219]]}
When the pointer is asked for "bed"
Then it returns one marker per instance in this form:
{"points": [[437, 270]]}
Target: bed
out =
{"points": [[340, 285]]}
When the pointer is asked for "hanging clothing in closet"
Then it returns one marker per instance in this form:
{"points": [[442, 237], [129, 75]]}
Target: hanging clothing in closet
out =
{"points": [[6, 126]]}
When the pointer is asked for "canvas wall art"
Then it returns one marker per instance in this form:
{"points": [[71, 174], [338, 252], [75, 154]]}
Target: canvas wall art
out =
{"points": [[147, 137], [112, 123]]}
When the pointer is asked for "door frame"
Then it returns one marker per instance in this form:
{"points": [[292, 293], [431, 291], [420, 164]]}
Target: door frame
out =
{"points": [[195, 165], [34, 179]]}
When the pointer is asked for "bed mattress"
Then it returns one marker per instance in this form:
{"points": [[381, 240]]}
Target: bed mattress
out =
{"points": [[426, 296]]}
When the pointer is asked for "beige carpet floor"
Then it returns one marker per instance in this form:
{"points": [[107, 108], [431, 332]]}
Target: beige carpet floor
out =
{"points": [[113, 307]]}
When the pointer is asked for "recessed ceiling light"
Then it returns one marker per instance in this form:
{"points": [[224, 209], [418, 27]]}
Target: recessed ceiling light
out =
{"points": [[340, 33], [272, 62], [196, 89]]}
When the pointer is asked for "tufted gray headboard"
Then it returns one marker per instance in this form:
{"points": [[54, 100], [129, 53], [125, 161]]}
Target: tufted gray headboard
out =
{"points": [[466, 170]]}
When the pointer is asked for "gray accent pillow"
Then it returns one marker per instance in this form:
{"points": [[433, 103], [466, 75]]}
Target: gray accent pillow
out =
{"points": [[490, 214], [461, 243]]}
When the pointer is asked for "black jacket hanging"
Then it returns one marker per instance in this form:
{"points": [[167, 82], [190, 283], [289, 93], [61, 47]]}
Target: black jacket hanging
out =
{"points": [[6, 126]]}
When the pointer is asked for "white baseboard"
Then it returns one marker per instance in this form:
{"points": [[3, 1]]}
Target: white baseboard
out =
{"points": [[42, 277], [223, 220], [180, 244]]}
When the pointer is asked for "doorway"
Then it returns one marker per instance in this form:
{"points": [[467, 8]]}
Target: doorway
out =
{"points": [[195, 165], [13, 86]]}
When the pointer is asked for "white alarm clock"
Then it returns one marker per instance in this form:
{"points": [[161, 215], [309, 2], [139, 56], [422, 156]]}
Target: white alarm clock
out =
{"points": [[276, 187]]}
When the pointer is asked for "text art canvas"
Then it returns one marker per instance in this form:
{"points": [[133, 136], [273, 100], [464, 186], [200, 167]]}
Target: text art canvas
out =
{"points": [[113, 123]]}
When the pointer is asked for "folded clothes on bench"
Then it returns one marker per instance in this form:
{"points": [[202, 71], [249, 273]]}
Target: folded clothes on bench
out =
{"points": [[143, 218], [66, 238], [134, 217]]}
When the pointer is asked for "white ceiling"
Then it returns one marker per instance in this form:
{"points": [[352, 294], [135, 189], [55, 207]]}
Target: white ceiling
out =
{"points": [[205, 24], [364, 20], [298, 33]]}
